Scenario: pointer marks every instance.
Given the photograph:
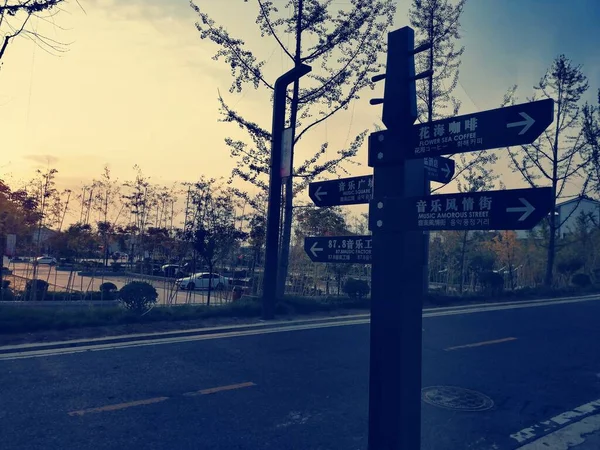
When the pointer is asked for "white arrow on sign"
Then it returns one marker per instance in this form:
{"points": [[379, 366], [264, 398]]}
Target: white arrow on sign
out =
{"points": [[318, 193], [314, 249], [526, 124], [526, 209], [446, 170]]}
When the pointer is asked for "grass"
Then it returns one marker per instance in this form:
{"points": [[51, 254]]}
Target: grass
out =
{"points": [[20, 320]]}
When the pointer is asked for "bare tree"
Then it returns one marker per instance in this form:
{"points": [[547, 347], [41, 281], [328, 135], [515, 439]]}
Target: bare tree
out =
{"points": [[477, 178], [139, 201], [344, 46], [438, 22], [109, 209], [560, 154], [15, 20], [212, 229]]}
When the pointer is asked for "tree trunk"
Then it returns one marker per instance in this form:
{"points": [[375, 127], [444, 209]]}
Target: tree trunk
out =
{"points": [[288, 208], [552, 241], [427, 181], [463, 253], [551, 251], [210, 271], [2, 249]]}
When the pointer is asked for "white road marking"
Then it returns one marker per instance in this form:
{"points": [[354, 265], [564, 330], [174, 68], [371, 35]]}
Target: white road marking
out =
{"points": [[173, 340], [560, 420], [567, 437], [181, 332], [281, 326], [481, 344]]}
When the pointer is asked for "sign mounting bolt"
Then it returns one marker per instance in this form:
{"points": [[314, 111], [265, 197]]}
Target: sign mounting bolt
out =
{"points": [[380, 223], [380, 205], [380, 155]]}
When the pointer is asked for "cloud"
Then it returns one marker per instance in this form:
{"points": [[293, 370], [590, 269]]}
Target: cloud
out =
{"points": [[42, 159]]}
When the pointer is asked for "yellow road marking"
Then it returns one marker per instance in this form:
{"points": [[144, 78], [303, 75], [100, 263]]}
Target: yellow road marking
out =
{"points": [[479, 344], [221, 388], [118, 406]]}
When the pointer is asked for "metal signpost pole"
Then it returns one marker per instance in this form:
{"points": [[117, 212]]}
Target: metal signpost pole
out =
{"points": [[274, 201], [397, 268]]}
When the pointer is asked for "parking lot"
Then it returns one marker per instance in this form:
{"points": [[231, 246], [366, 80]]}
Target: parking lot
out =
{"points": [[71, 281]]}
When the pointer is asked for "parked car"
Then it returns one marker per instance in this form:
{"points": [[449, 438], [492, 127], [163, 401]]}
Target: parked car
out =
{"points": [[172, 271], [46, 260], [201, 280]]}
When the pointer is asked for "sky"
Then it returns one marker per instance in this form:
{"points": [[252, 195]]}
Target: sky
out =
{"points": [[138, 86]]}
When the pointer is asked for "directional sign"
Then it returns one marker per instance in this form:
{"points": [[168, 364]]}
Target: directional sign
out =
{"points": [[345, 191], [496, 128], [517, 209], [438, 168], [339, 249], [358, 190]]}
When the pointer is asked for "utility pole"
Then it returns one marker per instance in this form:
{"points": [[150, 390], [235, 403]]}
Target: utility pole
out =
{"points": [[274, 200]]}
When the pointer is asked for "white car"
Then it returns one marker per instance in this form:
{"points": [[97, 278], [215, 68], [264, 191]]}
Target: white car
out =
{"points": [[201, 281], [46, 260]]}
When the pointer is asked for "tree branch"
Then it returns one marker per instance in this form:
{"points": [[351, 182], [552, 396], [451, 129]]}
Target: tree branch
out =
{"points": [[315, 92], [227, 42], [340, 106], [268, 22]]}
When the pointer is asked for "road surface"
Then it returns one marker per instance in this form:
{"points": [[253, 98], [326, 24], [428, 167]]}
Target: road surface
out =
{"points": [[306, 388]]}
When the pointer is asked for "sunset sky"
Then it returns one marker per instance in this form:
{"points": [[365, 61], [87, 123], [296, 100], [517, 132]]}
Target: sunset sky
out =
{"points": [[138, 86]]}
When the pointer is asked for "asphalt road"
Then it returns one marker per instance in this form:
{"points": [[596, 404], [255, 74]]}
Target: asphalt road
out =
{"points": [[304, 389]]}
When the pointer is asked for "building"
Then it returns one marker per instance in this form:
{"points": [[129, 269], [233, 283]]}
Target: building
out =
{"points": [[568, 213]]}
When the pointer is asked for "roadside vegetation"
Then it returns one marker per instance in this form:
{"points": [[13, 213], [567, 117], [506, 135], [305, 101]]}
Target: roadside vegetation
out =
{"points": [[140, 231]]}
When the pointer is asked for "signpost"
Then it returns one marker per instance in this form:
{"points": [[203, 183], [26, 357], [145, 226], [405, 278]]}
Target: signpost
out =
{"points": [[339, 249], [517, 209], [438, 168], [359, 190], [404, 158], [401, 212], [496, 128], [345, 191]]}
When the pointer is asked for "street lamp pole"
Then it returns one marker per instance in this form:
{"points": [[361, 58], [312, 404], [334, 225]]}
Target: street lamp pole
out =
{"points": [[274, 201]]}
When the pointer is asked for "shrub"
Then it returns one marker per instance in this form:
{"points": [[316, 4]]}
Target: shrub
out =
{"points": [[108, 287], [6, 295], [356, 288], [138, 295], [569, 266], [581, 280], [36, 289], [108, 290], [492, 282]]}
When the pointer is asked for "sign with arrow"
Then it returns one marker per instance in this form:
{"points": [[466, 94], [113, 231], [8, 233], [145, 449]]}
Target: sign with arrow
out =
{"points": [[359, 190], [516, 209], [496, 128], [345, 191], [339, 249], [438, 168]]}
